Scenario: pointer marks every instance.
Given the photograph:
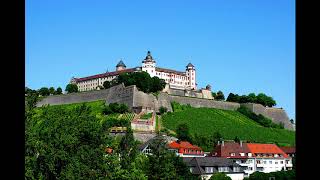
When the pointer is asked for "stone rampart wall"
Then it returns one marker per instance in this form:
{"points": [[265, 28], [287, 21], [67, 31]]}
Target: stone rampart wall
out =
{"points": [[277, 115], [75, 97], [134, 98]]}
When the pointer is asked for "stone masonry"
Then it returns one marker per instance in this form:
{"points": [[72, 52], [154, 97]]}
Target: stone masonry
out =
{"points": [[132, 97]]}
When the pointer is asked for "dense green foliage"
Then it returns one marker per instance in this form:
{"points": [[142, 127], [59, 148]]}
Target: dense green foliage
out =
{"points": [[183, 132], [176, 107], [261, 98], [206, 121], [106, 84], [220, 176], [52, 91], [142, 80], [115, 108], [64, 144], [69, 141], [207, 143], [58, 91], [219, 96], [262, 120], [163, 164], [71, 88], [278, 175], [163, 110], [44, 91]]}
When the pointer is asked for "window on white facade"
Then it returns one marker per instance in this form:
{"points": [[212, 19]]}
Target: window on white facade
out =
{"points": [[281, 162], [209, 169], [236, 169], [258, 162], [270, 162], [223, 169]]}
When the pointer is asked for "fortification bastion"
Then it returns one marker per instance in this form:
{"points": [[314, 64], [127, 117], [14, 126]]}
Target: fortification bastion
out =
{"points": [[134, 98]]}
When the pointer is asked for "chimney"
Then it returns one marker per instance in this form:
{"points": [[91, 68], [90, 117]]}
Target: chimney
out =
{"points": [[222, 143], [240, 143]]}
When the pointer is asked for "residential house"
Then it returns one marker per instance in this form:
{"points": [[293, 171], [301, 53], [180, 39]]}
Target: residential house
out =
{"points": [[205, 167], [254, 157], [185, 149], [238, 152], [269, 157], [145, 147], [291, 151]]}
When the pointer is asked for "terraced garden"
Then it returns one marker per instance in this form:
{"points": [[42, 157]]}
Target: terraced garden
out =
{"points": [[206, 121]]}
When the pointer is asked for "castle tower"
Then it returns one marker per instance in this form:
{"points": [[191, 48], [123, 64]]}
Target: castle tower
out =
{"points": [[191, 74], [120, 66], [149, 65]]}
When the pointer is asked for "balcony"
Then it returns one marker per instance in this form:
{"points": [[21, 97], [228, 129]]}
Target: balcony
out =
{"points": [[260, 165], [289, 165]]}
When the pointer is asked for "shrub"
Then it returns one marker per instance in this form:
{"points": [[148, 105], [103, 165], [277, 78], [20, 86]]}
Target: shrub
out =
{"points": [[262, 120], [163, 110], [115, 108]]}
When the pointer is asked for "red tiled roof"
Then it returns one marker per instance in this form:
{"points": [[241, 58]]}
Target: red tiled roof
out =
{"points": [[288, 150], [114, 73], [232, 147], [170, 71], [183, 144], [256, 148]]}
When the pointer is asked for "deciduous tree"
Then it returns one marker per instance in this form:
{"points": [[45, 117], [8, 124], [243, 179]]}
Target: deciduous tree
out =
{"points": [[72, 88], [183, 133], [44, 91], [220, 95], [59, 90]]}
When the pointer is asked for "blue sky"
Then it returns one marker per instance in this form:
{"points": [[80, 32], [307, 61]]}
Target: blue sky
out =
{"points": [[236, 46]]}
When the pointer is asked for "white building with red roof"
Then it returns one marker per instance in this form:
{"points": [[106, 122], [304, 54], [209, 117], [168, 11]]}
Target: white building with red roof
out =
{"points": [[254, 156], [185, 149], [175, 79]]}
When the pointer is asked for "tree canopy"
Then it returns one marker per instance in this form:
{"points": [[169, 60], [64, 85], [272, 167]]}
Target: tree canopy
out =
{"points": [[163, 164], [183, 133], [219, 96], [71, 88], [142, 80], [220, 176], [44, 91], [106, 84], [261, 98], [59, 90]]}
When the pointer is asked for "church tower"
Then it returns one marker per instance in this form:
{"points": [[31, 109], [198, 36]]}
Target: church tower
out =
{"points": [[191, 74], [120, 66], [149, 65]]}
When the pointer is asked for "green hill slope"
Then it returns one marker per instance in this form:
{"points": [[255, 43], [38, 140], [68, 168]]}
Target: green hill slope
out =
{"points": [[206, 121]]}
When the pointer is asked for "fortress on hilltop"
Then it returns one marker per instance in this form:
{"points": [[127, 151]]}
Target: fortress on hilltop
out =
{"points": [[174, 79], [181, 87]]}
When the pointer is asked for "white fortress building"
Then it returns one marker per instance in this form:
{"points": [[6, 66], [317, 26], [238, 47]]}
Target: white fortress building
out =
{"points": [[175, 79]]}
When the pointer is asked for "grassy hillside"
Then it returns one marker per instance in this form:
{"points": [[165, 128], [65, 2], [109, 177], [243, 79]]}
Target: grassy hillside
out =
{"points": [[96, 107], [206, 121]]}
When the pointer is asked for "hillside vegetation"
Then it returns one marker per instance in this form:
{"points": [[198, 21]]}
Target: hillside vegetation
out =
{"points": [[206, 121], [97, 108]]}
